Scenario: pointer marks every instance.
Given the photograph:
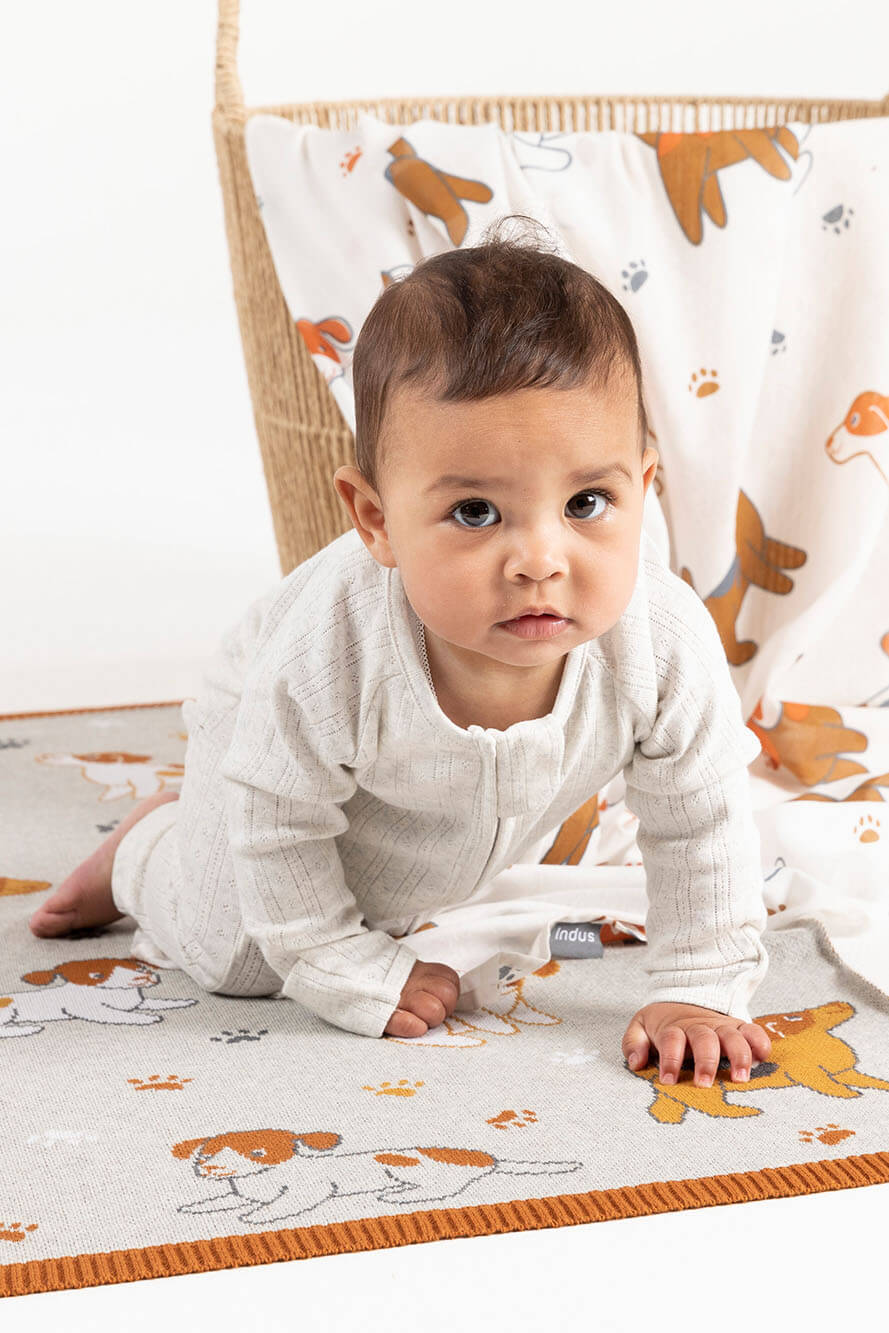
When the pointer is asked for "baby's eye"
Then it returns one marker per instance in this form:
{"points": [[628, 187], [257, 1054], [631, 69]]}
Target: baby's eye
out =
{"points": [[582, 496]]}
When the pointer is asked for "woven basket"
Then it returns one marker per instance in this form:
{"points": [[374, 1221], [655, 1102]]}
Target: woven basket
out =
{"points": [[302, 434]]}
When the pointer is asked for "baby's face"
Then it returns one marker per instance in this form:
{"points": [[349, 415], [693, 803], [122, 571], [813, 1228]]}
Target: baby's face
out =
{"points": [[523, 530]]}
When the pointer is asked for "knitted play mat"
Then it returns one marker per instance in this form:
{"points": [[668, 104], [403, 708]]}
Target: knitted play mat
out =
{"points": [[230, 1132]]}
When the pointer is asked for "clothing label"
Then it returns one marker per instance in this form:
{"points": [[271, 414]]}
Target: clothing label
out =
{"points": [[575, 939]]}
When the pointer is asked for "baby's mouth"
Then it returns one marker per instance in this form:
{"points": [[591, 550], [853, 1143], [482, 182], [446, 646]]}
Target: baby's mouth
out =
{"points": [[531, 626], [530, 615]]}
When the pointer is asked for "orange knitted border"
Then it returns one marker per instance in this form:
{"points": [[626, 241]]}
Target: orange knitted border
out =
{"points": [[379, 1233], [99, 708]]}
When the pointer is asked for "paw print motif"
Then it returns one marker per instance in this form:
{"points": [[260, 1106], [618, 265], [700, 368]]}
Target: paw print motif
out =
{"points": [[636, 276], [834, 216], [706, 386], [511, 1120], [401, 1089], [348, 162], [828, 1134], [173, 1083], [865, 834], [578, 1055], [242, 1034], [14, 1230], [779, 344]]}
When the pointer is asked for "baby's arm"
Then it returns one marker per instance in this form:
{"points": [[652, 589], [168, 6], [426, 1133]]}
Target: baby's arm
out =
{"points": [[689, 784], [283, 806]]}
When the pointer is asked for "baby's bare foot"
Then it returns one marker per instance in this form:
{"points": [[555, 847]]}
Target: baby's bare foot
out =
{"points": [[84, 898]]}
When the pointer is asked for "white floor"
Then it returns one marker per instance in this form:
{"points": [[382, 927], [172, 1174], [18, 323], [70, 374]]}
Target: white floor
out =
{"points": [[806, 1261], [800, 1263]]}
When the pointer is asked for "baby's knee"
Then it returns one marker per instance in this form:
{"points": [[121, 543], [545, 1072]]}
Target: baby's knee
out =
{"points": [[257, 991]]}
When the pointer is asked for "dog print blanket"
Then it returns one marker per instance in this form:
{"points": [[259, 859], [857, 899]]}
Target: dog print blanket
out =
{"points": [[754, 267]]}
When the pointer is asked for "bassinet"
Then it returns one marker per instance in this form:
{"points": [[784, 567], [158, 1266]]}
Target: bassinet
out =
{"points": [[302, 434]]}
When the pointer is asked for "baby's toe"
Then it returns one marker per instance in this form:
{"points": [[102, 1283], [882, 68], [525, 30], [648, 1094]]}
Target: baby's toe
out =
{"points": [[45, 923]]}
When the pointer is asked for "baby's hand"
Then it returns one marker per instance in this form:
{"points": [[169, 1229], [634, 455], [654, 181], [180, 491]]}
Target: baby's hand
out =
{"points": [[708, 1031], [427, 997]]}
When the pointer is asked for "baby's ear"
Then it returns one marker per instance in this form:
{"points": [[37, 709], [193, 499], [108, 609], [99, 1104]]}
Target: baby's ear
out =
{"points": [[366, 513]]}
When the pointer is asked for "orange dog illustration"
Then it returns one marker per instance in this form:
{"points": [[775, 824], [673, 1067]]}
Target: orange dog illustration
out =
{"points": [[317, 337], [120, 773], [807, 740], [867, 418], [274, 1174], [689, 164], [803, 1054], [759, 561], [98, 990], [433, 191], [10, 886], [505, 1016]]}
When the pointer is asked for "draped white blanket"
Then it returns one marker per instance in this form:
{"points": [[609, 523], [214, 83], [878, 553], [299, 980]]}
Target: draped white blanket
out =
{"points": [[755, 268]]}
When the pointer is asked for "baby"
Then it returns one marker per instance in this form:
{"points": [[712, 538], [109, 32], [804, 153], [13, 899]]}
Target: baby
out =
{"points": [[412, 708]]}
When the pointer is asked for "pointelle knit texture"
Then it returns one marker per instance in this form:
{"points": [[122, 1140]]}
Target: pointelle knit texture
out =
{"points": [[355, 807]]}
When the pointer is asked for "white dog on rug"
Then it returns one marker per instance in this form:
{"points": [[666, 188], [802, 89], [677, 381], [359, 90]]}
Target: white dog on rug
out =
{"points": [[99, 990]]}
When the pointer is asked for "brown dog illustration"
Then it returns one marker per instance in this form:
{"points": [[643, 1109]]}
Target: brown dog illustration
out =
{"points": [[275, 1174], [433, 191], [808, 740], [689, 164], [759, 561]]}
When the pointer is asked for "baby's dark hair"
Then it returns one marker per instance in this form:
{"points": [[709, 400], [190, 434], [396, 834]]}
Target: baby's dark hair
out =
{"points": [[488, 319]]}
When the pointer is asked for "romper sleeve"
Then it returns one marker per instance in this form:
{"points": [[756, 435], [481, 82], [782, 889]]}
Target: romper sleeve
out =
{"points": [[689, 784], [283, 808]]}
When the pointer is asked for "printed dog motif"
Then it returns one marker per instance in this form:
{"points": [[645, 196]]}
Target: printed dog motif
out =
{"points": [[319, 338], [121, 774], [808, 740], [274, 1174], [504, 1016], [98, 990], [433, 191], [10, 886], [509, 1012], [759, 562], [803, 1054], [867, 418], [689, 164]]}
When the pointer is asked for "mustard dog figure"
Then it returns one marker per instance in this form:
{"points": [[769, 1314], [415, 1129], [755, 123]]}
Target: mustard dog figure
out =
{"points": [[803, 1054]]}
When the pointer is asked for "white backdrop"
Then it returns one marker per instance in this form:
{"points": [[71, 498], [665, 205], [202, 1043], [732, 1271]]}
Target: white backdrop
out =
{"points": [[135, 520]]}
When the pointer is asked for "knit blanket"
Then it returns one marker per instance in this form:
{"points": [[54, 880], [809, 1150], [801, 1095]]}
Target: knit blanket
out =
{"points": [[754, 267], [151, 1128]]}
